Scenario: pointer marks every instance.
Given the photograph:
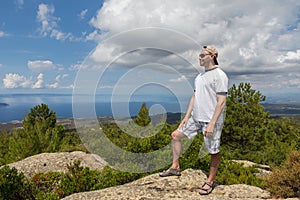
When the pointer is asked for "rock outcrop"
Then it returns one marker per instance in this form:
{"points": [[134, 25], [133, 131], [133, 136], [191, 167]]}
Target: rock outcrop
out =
{"points": [[151, 187], [56, 162], [184, 187]]}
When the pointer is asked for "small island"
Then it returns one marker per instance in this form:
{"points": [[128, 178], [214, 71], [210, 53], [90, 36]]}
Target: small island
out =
{"points": [[3, 104]]}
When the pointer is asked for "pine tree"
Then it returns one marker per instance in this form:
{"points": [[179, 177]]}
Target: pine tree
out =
{"points": [[143, 118], [42, 115], [246, 124], [40, 134]]}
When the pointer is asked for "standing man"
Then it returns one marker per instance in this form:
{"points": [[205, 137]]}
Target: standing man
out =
{"points": [[206, 113]]}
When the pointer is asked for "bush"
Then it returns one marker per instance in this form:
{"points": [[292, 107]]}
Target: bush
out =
{"points": [[13, 185], [78, 179], [81, 179], [110, 177], [46, 185], [284, 182], [235, 173]]}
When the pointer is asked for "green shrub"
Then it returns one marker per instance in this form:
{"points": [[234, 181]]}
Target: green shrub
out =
{"points": [[81, 179], [71, 142], [78, 179], [46, 185], [110, 177], [235, 173], [284, 182], [13, 185], [4, 139]]}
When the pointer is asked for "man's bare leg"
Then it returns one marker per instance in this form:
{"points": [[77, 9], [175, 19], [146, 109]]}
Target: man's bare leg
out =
{"points": [[176, 147], [214, 165]]}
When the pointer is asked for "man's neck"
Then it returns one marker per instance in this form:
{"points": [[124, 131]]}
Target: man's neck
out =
{"points": [[210, 67]]}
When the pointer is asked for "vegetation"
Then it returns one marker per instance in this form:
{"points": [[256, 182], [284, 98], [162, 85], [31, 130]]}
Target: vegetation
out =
{"points": [[39, 134], [56, 185], [143, 118], [285, 180], [249, 133]]}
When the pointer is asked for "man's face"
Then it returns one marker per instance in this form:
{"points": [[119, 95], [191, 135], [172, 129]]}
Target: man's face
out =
{"points": [[204, 58]]}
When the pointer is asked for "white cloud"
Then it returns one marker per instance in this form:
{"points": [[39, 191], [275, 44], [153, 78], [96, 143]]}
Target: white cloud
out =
{"points": [[180, 79], [83, 13], [39, 83], [57, 78], [12, 80], [252, 36], [3, 34], [44, 16], [58, 35], [74, 67], [19, 3], [41, 65], [16, 81], [49, 23], [53, 86], [237, 26], [291, 56], [57, 82]]}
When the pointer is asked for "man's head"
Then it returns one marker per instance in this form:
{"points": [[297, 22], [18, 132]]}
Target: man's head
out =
{"points": [[213, 52]]}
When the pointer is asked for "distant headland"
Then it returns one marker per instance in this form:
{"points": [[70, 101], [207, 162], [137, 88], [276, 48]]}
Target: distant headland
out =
{"points": [[3, 104]]}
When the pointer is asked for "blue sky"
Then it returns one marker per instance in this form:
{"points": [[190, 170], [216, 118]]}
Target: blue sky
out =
{"points": [[119, 46]]}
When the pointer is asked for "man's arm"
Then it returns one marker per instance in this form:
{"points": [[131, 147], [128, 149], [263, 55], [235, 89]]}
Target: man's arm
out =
{"points": [[221, 102], [188, 112]]}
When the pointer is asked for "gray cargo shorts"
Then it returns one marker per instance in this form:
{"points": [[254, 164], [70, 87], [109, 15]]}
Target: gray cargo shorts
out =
{"points": [[192, 128]]}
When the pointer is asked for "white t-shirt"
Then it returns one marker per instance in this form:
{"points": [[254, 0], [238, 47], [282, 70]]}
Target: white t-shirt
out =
{"points": [[207, 85]]}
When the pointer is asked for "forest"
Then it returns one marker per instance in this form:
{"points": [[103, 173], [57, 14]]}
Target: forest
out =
{"points": [[249, 133]]}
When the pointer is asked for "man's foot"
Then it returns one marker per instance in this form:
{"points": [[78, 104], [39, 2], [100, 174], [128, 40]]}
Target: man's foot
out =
{"points": [[206, 188], [170, 172]]}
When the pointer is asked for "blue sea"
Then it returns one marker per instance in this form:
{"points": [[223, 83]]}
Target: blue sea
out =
{"points": [[14, 107]]}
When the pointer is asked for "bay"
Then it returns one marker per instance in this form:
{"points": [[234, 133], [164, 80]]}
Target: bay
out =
{"points": [[14, 107]]}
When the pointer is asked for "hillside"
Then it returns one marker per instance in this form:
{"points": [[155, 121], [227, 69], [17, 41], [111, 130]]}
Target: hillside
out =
{"points": [[282, 108]]}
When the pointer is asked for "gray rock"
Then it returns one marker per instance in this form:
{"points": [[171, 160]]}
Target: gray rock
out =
{"points": [[56, 162], [184, 187]]}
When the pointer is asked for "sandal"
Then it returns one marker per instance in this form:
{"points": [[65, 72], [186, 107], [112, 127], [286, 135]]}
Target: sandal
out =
{"points": [[208, 190], [170, 172]]}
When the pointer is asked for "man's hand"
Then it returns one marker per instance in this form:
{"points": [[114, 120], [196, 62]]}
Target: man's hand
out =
{"points": [[209, 130], [183, 123]]}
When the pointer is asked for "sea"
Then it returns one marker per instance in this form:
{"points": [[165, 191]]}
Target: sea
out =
{"points": [[14, 107]]}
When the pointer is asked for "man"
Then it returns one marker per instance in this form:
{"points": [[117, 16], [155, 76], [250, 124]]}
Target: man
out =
{"points": [[206, 113]]}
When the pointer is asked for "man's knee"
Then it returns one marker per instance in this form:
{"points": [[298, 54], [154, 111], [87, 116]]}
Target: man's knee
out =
{"points": [[177, 135]]}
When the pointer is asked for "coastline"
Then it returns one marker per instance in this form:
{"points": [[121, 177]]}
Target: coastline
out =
{"points": [[68, 123]]}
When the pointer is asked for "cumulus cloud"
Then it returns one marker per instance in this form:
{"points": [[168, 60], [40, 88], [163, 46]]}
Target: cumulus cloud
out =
{"points": [[57, 82], [49, 23], [40, 65], [180, 79], [16, 81], [39, 83], [256, 37], [291, 56], [13, 80], [53, 85]]}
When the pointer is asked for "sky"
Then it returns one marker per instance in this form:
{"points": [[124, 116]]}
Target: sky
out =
{"points": [[138, 47]]}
